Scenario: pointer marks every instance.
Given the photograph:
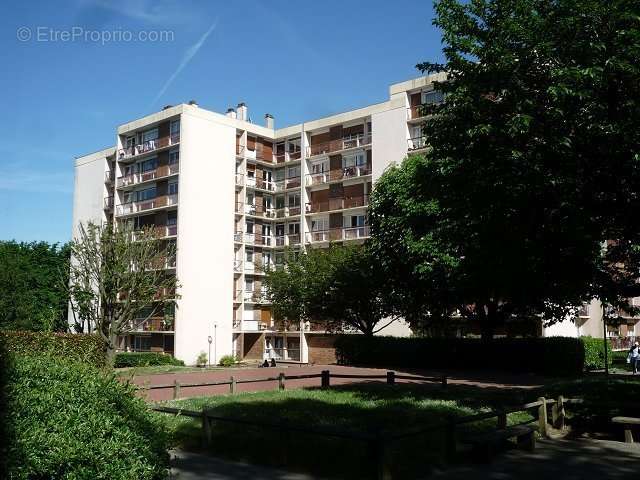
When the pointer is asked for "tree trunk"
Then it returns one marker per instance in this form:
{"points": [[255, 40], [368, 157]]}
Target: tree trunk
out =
{"points": [[488, 319], [110, 351]]}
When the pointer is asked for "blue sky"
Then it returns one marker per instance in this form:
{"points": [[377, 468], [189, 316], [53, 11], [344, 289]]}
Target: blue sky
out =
{"points": [[64, 96]]}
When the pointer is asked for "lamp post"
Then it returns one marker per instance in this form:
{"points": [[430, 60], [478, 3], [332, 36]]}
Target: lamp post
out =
{"points": [[604, 328], [209, 339], [215, 338]]}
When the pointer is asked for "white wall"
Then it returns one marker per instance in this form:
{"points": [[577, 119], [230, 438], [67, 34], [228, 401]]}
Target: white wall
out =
{"points": [[205, 236], [389, 140]]}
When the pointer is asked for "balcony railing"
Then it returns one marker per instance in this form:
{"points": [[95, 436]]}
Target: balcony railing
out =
{"points": [[237, 296], [254, 297], [240, 179], [337, 204], [338, 234], [141, 206], [333, 175], [155, 324], [109, 175], [237, 266], [287, 157], [148, 146], [160, 172], [259, 211], [356, 141], [267, 155], [417, 111], [416, 143], [285, 240], [260, 184], [253, 238], [108, 203]]}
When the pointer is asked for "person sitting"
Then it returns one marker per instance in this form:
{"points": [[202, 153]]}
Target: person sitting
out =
{"points": [[634, 357], [265, 364], [273, 362]]}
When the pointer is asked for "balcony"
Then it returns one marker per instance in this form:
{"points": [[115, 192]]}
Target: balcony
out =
{"points": [[143, 205], [254, 297], [332, 146], [253, 239], [260, 184], [416, 143], [109, 176], [155, 324], [237, 266], [337, 175], [108, 203], [287, 157], [259, 211], [160, 172], [289, 239], [148, 146], [337, 204], [338, 234], [239, 179], [163, 263], [418, 111], [237, 296]]}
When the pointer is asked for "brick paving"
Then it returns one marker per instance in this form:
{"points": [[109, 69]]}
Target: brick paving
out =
{"points": [[481, 380]]}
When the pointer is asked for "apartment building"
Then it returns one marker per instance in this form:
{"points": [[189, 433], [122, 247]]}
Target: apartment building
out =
{"points": [[233, 194]]}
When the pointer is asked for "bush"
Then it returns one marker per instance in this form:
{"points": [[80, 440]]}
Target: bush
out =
{"points": [[202, 359], [594, 353], [73, 346], [556, 356], [227, 361], [144, 359], [70, 420]]}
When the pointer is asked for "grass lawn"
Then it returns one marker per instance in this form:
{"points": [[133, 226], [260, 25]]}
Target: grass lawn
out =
{"points": [[127, 372], [356, 408]]}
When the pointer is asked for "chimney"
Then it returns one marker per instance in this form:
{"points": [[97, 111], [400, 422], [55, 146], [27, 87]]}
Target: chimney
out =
{"points": [[243, 113], [193, 103], [231, 113], [268, 121]]}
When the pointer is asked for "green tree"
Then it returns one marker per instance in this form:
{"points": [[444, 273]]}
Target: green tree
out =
{"points": [[531, 165], [118, 280], [33, 278], [339, 287]]}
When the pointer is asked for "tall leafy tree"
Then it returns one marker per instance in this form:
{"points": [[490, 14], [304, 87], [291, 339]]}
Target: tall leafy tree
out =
{"points": [[33, 278], [531, 166], [118, 280], [340, 288]]}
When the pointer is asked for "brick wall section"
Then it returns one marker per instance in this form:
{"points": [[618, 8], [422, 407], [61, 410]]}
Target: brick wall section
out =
{"points": [[321, 349], [253, 346]]}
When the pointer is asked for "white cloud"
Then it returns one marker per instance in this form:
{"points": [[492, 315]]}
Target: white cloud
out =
{"points": [[186, 58]]}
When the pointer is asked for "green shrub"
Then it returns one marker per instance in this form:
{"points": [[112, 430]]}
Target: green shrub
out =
{"points": [[68, 420], [594, 353], [144, 359], [549, 356], [227, 361], [74, 346], [202, 359]]}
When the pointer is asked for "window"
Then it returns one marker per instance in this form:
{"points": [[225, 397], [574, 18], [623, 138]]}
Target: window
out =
{"points": [[278, 174], [320, 167], [280, 230], [248, 284], [249, 255], [150, 135], [294, 145], [249, 226], [279, 202], [432, 97], [174, 157], [355, 221], [356, 160], [172, 217], [293, 172], [175, 127], [141, 344], [266, 259], [148, 165], [293, 200], [147, 194], [294, 228], [319, 224], [173, 188]]}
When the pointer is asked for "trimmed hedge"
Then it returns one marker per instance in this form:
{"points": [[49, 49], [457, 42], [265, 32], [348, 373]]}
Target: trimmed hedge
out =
{"points": [[594, 353], [68, 420], [144, 359], [557, 356], [73, 346]]}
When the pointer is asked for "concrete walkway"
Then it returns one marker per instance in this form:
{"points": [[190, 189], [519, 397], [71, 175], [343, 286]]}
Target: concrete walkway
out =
{"points": [[583, 459], [195, 466]]}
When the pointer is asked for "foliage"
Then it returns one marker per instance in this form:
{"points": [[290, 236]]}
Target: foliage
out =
{"points": [[118, 280], [556, 356], [69, 420], [227, 361], [594, 353], [83, 348], [144, 359], [33, 279], [202, 359], [531, 165], [339, 287]]}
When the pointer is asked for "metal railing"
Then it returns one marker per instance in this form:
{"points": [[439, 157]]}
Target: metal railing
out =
{"points": [[338, 234], [148, 146], [334, 175], [337, 204], [356, 141], [108, 202], [140, 177], [416, 143], [140, 206]]}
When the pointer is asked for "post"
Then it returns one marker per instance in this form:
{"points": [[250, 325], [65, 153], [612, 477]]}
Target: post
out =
{"points": [[325, 379], [542, 416], [281, 381], [559, 423], [604, 326], [375, 445], [444, 381], [176, 389], [502, 420], [391, 378], [450, 439], [206, 429], [232, 385]]}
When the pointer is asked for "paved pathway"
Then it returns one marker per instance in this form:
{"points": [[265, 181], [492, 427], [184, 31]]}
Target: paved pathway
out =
{"points": [[482, 380]]}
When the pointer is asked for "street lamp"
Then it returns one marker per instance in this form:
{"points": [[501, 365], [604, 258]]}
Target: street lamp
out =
{"points": [[210, 340], [215, 337]]}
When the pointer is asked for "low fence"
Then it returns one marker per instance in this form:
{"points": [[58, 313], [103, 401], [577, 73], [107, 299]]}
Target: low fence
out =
{"points": [[378, 441], [325, 377]]}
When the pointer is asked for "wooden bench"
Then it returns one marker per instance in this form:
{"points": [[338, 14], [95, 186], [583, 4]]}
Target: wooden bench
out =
{"points": [[484, 443], [627, 422]]}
